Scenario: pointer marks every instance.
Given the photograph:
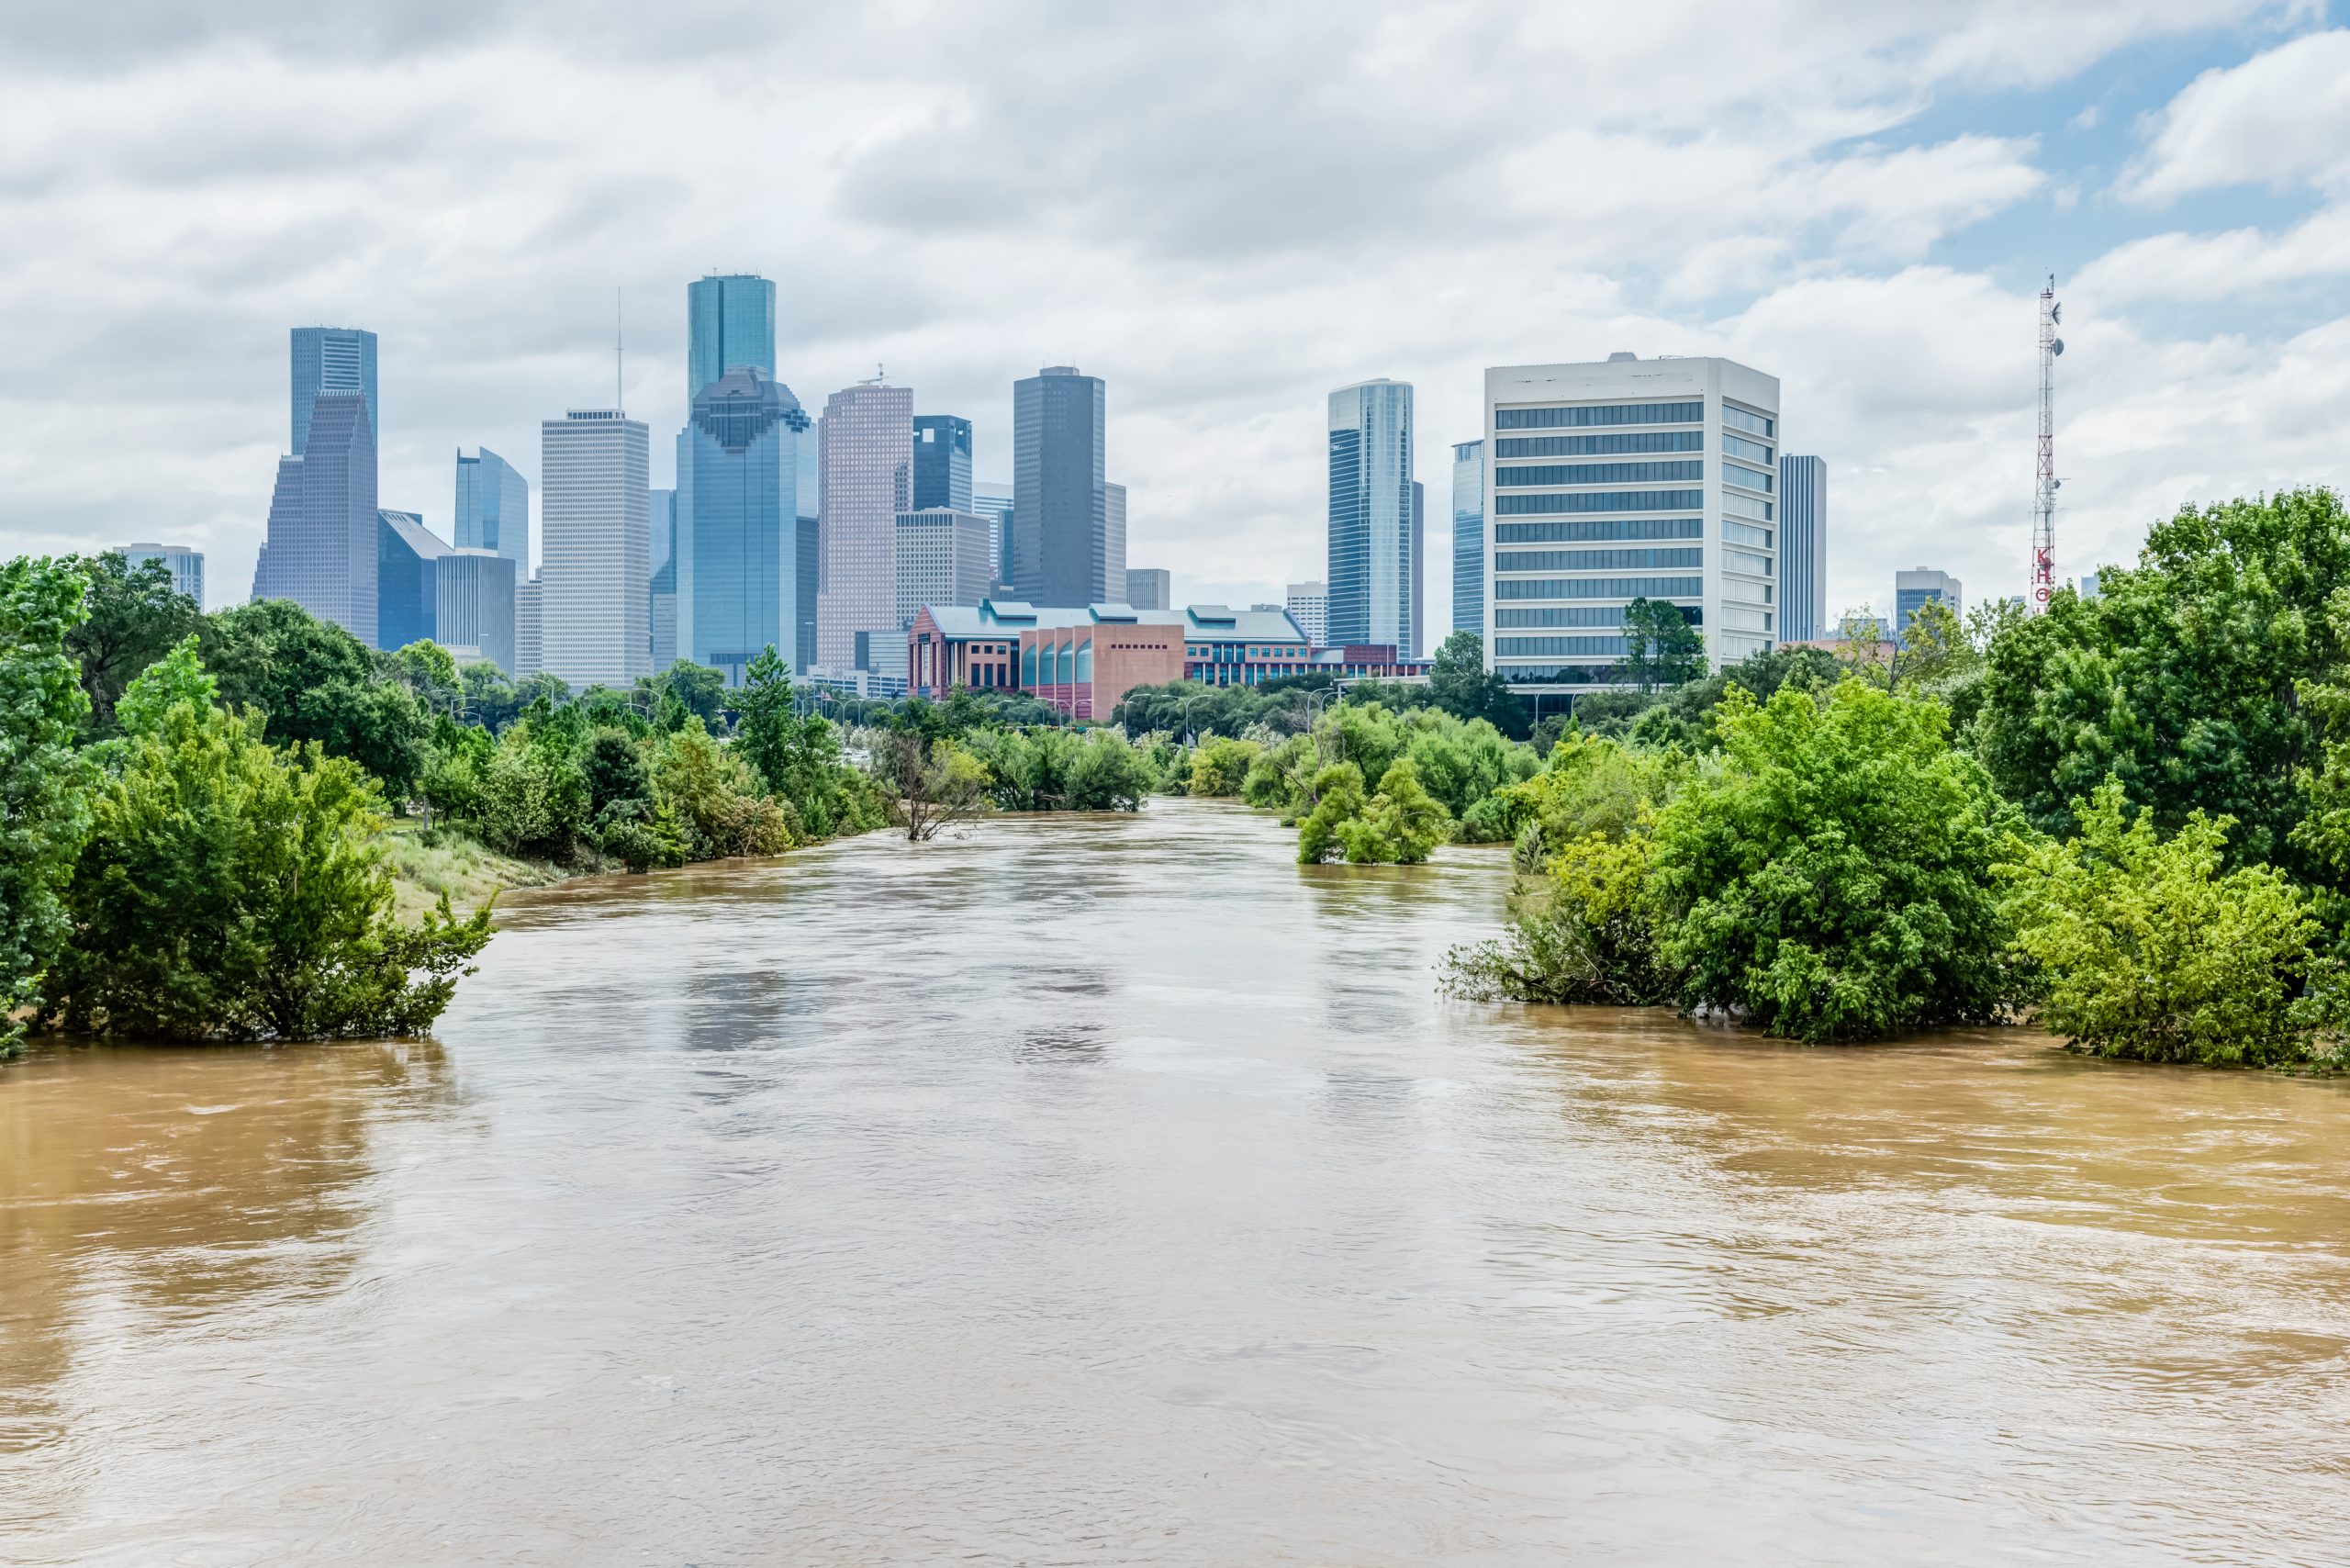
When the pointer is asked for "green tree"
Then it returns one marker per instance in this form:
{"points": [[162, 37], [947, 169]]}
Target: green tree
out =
{"points": [[229, 890], [1661, 648], [44, 807], [2145, 950], [1830, 879], [132, 616]]}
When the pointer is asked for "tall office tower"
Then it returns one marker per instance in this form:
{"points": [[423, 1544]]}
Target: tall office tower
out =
{"points": [[811, 567], [1803, 548], [730, 322], [321, 550], [1419, 571], [1371, 514], [332, 359], [942, 560], [1309, 606], [528, 597], [1151, 587], [407, 590], [994, 503], [493, 509], [738, 533], [1913, 591], [594, 589], [1060, 547], [185, 566], [866, 437], [1113, 537], [473, 607], [1469, 537], [1599, 493], [942, 463]]}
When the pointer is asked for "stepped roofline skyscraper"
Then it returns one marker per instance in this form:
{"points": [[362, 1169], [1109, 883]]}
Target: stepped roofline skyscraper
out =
{"points": [[332, 359], [737, 564], [1371, 528], [730, 323], [1062, 553], [321, 548]]}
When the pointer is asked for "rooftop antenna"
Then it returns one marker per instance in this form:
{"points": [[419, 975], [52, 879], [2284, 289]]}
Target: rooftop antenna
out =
{"points": [[2044, 520]]}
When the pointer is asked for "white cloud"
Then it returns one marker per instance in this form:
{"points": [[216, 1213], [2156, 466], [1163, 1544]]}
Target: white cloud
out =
{"points": [[2280, 119]]}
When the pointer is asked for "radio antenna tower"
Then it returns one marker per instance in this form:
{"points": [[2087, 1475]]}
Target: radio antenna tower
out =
{"points": [[2044, 516]]}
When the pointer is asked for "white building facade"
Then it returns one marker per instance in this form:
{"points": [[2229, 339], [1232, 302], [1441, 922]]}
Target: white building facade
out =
{"points": [[1630, 478], [595, 549]]}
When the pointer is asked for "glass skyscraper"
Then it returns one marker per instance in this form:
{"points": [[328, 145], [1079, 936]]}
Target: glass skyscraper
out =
{"points": [[737, 564], [1469, 537], [1060, 544], [321, 548], [730, 323], [1371, 575], [493, 509], [942, 463], [1803, 549], [332, 359]]}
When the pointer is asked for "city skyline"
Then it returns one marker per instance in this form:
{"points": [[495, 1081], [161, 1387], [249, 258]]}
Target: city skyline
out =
{"points": [[1880, 249]]}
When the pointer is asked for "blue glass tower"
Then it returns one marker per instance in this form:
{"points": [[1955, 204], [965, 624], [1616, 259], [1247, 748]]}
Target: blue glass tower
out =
{"points": [[1469, 537], [332, 359], [730, 323], [493, 511], [942, 463], [737, 559], [1370, 515]]}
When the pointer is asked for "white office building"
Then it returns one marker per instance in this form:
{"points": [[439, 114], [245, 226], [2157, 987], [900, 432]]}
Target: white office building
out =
{"points": [[595, 548], [1627, 479]]}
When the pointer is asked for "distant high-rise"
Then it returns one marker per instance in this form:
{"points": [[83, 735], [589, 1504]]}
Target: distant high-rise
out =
{"points": [[1411, 650], [738, 539], [942, 463], [1469, 537], [1915, 589], [595, 588], [1151, 587], [942, 560], [1803, 548], [1370, 515], [1309, 606], [493, 509], [320, 550], [994, 503], [867, 463], [473, 607], [406, 589], [1060, 507], [332, 359], [730, 323], [185, 566]]}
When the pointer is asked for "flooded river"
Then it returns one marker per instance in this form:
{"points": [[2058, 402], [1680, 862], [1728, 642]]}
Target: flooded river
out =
{"points": [[1109, 1189]]}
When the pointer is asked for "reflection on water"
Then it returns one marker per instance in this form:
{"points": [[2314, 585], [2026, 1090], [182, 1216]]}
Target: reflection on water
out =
{"points": [[1111, 1189]]}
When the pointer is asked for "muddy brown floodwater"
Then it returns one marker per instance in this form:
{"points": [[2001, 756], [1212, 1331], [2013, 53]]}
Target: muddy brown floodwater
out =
{"points": [[1108, 1189]]}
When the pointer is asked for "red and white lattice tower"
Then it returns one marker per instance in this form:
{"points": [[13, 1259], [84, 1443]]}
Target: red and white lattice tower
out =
{"points": [[2043, 513]]}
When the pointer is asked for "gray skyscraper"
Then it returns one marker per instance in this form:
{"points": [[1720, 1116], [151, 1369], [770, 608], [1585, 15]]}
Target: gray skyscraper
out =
{"points": [[1060, 508], [1371, 571], [493, 509], [738, 536], [1803, 548], [866, 464], [407, 590], [942, 463], [1469, 537], [321, 550], [730, 321], [595, 590], [332, 359]]}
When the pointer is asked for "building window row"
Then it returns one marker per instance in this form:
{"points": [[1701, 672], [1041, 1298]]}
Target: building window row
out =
{"points": [[1739, 446], [1736, 505], [1599, 414], [1601, 500], [1568, 532], [1599, 588], [1594, 560], [1600, 445], [1741, 419], [1524, 477]]}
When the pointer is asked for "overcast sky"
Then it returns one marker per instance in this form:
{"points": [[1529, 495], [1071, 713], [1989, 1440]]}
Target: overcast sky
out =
{"points": [[1223, 209]]}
